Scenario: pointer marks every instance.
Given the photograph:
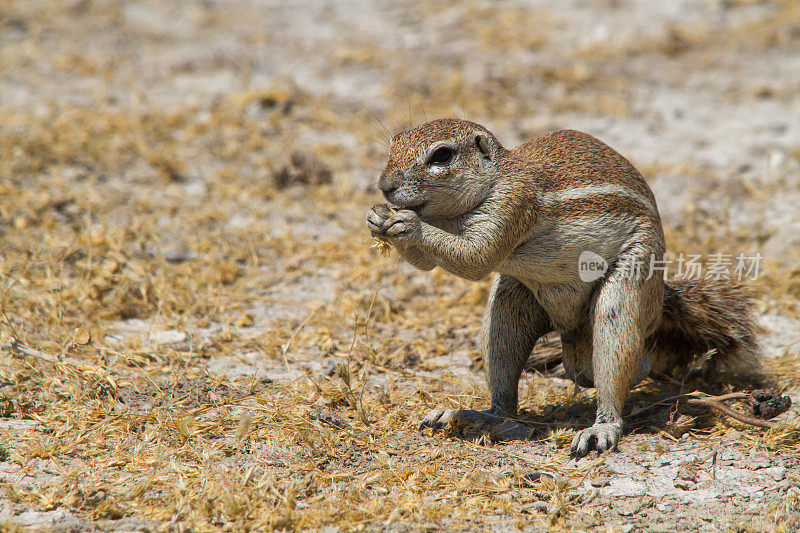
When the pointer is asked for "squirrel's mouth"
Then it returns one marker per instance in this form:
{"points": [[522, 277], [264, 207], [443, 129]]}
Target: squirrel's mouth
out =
{"points": [[413, 206]]}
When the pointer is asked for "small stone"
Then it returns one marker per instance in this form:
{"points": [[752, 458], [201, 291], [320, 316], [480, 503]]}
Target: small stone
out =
{"points": [[82, 336], [687, 472], [628, 508]]}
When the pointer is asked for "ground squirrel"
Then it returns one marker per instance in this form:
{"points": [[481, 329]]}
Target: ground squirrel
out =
{"points": [[461, 201]]}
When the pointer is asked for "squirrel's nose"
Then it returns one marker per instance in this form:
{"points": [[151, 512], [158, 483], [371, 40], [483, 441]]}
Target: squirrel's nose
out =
{"points": [[387, 183]]}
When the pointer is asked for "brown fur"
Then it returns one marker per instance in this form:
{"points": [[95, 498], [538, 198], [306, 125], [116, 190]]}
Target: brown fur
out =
{"points": [[557, 155], [703, 315]]}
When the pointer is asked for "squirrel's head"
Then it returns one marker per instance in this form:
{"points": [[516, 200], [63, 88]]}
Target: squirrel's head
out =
{"points": [[443, 168]]}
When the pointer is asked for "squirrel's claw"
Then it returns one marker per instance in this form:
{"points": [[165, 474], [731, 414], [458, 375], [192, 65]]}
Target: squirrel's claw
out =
{"points": [[437, 419], [600, 437], [376, 217]]}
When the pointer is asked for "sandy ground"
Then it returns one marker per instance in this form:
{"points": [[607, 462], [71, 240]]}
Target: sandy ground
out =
{"points": [[204, 338]]}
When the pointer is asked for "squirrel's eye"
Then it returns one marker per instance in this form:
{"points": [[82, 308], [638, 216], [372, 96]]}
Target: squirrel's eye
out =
{"points": [[441, 156]]}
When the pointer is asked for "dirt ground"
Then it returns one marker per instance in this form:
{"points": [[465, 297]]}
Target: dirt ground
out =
{"points": [[197, 334]]}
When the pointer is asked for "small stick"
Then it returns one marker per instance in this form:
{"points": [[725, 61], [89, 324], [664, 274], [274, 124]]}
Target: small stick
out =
{"points": [[285, 347], [714, 403], [727, 411], [18, 346], [732, 396]]}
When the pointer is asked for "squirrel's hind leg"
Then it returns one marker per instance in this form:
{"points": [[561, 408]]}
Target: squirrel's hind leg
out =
{"points": [[576, 354]]}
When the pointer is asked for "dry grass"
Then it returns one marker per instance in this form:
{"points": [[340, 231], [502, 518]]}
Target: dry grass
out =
{"points": [[120, 427], [155, 437]]}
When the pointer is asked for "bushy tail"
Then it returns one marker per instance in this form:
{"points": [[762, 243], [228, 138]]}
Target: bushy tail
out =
{"points": [[701, 315]]}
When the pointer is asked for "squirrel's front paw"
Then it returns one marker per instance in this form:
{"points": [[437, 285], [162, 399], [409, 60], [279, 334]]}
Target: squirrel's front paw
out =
{"points": [[376, 217], [601, 437], [404, 225]]}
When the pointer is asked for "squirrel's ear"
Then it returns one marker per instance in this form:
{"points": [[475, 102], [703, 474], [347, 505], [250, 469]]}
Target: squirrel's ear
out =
{"points": [[484, 145]]}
